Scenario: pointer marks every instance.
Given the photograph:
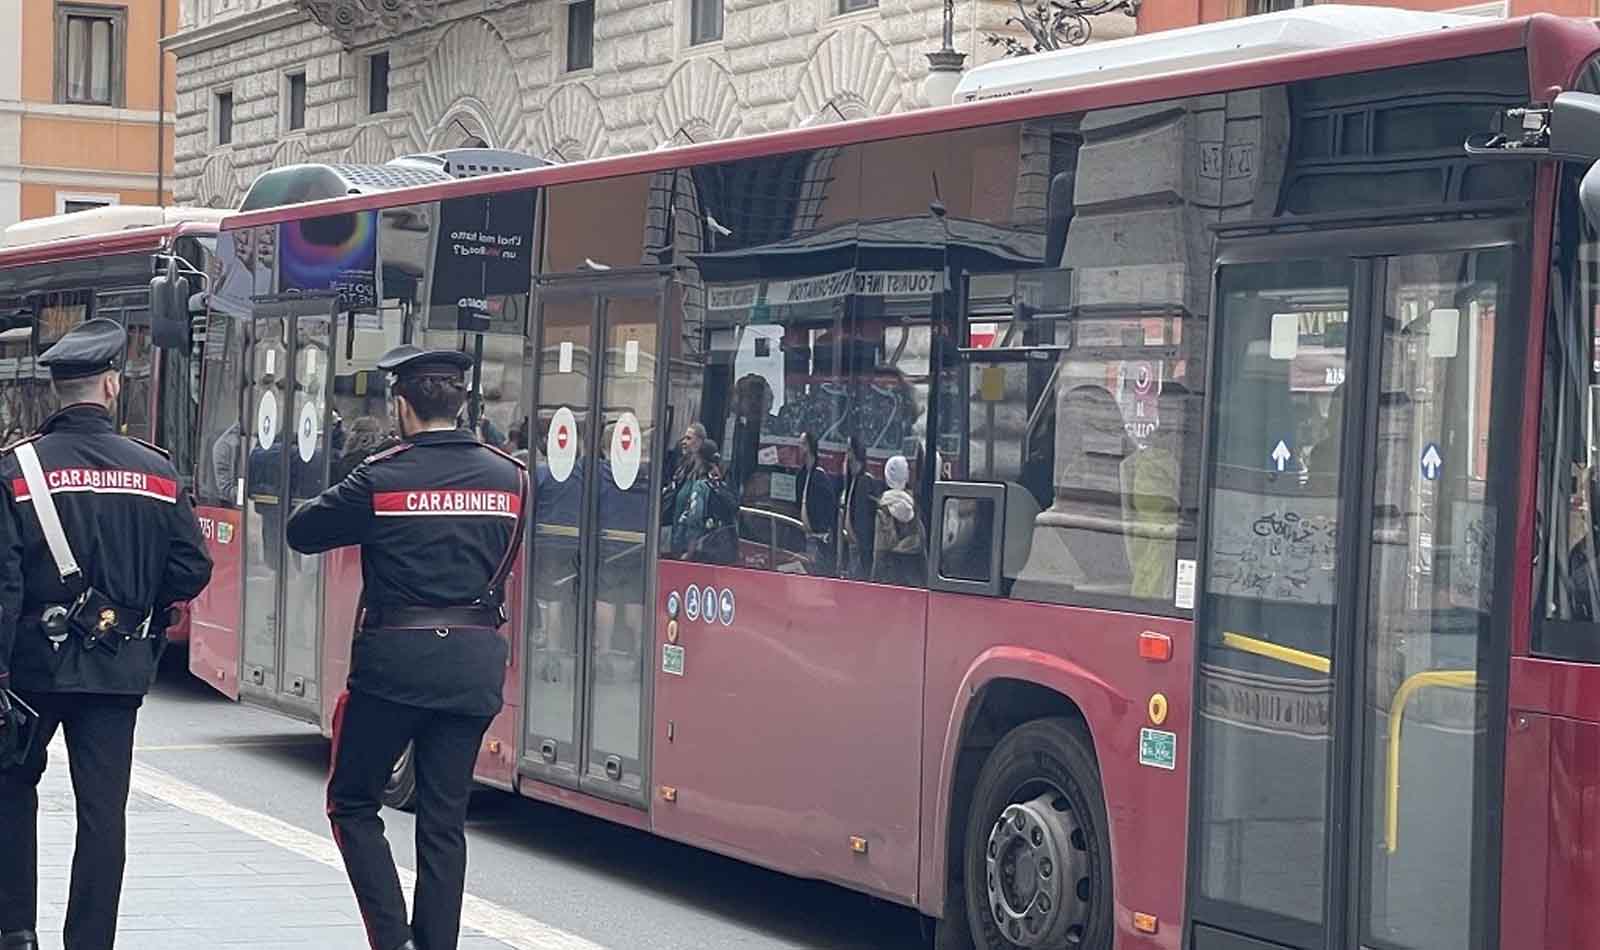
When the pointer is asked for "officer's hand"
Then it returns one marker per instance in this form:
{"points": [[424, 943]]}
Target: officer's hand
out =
{"points": [[12, 738]]}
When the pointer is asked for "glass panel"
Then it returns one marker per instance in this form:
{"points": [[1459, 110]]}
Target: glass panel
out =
{"points": [[625, 488], [100, 53], [378, 83], [136, 390], [580, 35], [1569, 485], [1267, 636], [705, 21], [297, 101], [78, 58], [218, 465], [266, 406], [563, 418], [1432, 573], [308, 475], [964, 537]]}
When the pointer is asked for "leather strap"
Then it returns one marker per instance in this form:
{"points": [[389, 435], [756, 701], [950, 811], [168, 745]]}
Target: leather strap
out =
{"points": [[497, 583], [44, 505]]}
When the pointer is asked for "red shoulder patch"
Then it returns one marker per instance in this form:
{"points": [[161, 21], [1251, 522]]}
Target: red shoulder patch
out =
{"points": [[387, 453], [151, 446], [22, 441], [505, 455]]}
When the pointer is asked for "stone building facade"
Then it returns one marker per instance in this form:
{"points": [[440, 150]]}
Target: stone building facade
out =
{"points": [[263, 83]]}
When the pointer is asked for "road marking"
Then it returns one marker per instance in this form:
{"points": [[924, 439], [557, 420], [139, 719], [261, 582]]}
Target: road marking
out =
{"points": [[287, 742], [485, 917]]}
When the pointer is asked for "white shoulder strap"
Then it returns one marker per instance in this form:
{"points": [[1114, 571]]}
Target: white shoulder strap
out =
{"points": [[44, 505]]}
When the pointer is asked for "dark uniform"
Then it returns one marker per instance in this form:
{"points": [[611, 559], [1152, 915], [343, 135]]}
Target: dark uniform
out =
{"points": [[133, 533], [437, 517]]}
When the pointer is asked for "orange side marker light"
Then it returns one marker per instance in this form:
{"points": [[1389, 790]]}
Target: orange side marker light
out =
{"points": [[1145, 923], [1156, 647]]}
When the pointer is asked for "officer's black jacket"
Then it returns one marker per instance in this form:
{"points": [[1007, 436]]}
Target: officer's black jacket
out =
{"points": [[434, 517], [132, 529]]}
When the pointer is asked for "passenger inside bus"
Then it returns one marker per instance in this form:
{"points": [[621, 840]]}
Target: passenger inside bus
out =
{"points": [[858, 517], [819, 507], [899, 542]]}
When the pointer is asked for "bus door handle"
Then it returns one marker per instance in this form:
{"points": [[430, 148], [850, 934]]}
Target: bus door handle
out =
{"points": [[547, 750]]}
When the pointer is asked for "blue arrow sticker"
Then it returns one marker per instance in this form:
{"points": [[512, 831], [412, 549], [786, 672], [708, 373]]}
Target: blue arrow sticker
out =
{"points": [[727, 606], [672, 605], [1432, 462], [691, 602]]}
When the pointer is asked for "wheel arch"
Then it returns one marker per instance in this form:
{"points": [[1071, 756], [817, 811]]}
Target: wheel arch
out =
{"points": [[1003, 688]]}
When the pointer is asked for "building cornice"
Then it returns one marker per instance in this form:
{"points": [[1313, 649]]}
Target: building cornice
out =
{"points": [[84, 113], [275, 16]]}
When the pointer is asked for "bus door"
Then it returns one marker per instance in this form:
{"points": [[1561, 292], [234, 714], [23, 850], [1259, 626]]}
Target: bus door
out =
{"points": [[286, 462], [1362, 434], [591, 546]]}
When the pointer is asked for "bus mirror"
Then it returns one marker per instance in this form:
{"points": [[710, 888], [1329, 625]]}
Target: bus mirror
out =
{"points": [[169, 311], [1575, 125]]}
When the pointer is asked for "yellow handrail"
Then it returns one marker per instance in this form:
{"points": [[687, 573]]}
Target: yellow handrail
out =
{"points": [[1273, 651], [1443, 679]]}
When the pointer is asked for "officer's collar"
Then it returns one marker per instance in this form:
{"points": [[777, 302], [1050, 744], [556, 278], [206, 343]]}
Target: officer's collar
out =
{"points": [[79, 417], [441, 436]]}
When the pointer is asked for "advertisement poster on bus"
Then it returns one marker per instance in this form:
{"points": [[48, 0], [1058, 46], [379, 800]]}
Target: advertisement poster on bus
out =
{"points": [[337, 252], [483, 255]]}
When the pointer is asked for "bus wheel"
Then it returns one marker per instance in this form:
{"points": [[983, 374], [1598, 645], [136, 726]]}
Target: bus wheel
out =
{"points": [[1038, 857], [400, 792]]}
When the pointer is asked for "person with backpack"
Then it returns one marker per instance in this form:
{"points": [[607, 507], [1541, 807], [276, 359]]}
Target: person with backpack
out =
{"points": [[704, 521], [899, 542]]}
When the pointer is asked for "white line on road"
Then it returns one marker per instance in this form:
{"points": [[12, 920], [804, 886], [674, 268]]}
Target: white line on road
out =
{"points": [[486, 917]]}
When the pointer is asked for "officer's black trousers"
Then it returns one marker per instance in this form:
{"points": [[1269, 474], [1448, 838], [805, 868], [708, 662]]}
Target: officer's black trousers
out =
{"points": [[99, 733], [369, 735]]}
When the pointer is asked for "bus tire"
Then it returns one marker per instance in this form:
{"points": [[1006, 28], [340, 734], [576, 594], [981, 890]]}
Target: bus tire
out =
{"points": [[400, 792], [1037, 857]]}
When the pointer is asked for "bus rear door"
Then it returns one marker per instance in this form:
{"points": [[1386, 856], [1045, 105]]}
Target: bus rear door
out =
{"points": [[592, 543], [287, 388]]}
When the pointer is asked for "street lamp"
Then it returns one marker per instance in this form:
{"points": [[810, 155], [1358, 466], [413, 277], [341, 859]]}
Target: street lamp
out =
{"points": [[944, 64]]}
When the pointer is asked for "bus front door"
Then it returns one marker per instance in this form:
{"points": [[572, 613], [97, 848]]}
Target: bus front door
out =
{"points": [[592, 544], [286, 462], [1350, 625]]}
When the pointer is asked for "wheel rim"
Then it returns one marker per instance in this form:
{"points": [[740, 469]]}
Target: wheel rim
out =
{"points": [[1040, 877]]}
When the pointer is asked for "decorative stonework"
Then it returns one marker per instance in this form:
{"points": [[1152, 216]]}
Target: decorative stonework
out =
{"points": [[470, 73], [570, 127], [700, 101], [851, 74], [370, 146], [491, 70], [291, 151], [345, 19], [219, 184]]}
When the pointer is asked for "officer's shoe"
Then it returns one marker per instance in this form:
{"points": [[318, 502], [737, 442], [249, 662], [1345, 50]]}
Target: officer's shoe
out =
{"points": [[20, 940]]}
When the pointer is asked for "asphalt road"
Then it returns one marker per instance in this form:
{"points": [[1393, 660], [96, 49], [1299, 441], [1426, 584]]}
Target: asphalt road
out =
{"points": [[614, 886]]}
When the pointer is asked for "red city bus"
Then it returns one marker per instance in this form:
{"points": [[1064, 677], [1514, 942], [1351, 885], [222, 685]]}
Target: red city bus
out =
{"points": [[57, 272], [1156, 502]]}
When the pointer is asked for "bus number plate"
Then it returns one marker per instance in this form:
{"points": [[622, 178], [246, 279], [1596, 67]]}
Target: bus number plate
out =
{"points": [[672, 659], [1158, 748]]}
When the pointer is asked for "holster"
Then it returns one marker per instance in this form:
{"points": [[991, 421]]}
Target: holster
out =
{"points": [[97, 619]]}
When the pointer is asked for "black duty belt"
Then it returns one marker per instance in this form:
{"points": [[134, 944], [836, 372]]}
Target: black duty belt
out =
{"points": [[429, 618]]}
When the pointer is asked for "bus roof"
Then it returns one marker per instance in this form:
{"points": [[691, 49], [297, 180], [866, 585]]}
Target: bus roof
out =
{"points": [[1557, 46], [1210, 45], [115, 229]]}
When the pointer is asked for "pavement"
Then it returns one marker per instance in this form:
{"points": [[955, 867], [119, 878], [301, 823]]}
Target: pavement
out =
{"points": [[229, 847], [203, 873]]}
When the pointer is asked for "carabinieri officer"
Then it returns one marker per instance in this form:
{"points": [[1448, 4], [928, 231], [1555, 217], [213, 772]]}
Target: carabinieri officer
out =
{"points": [[438, 518], [88, 571]]}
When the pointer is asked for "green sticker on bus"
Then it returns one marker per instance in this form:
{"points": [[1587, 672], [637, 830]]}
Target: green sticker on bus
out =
{"points": [[1158, 749], [672, 659]]}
